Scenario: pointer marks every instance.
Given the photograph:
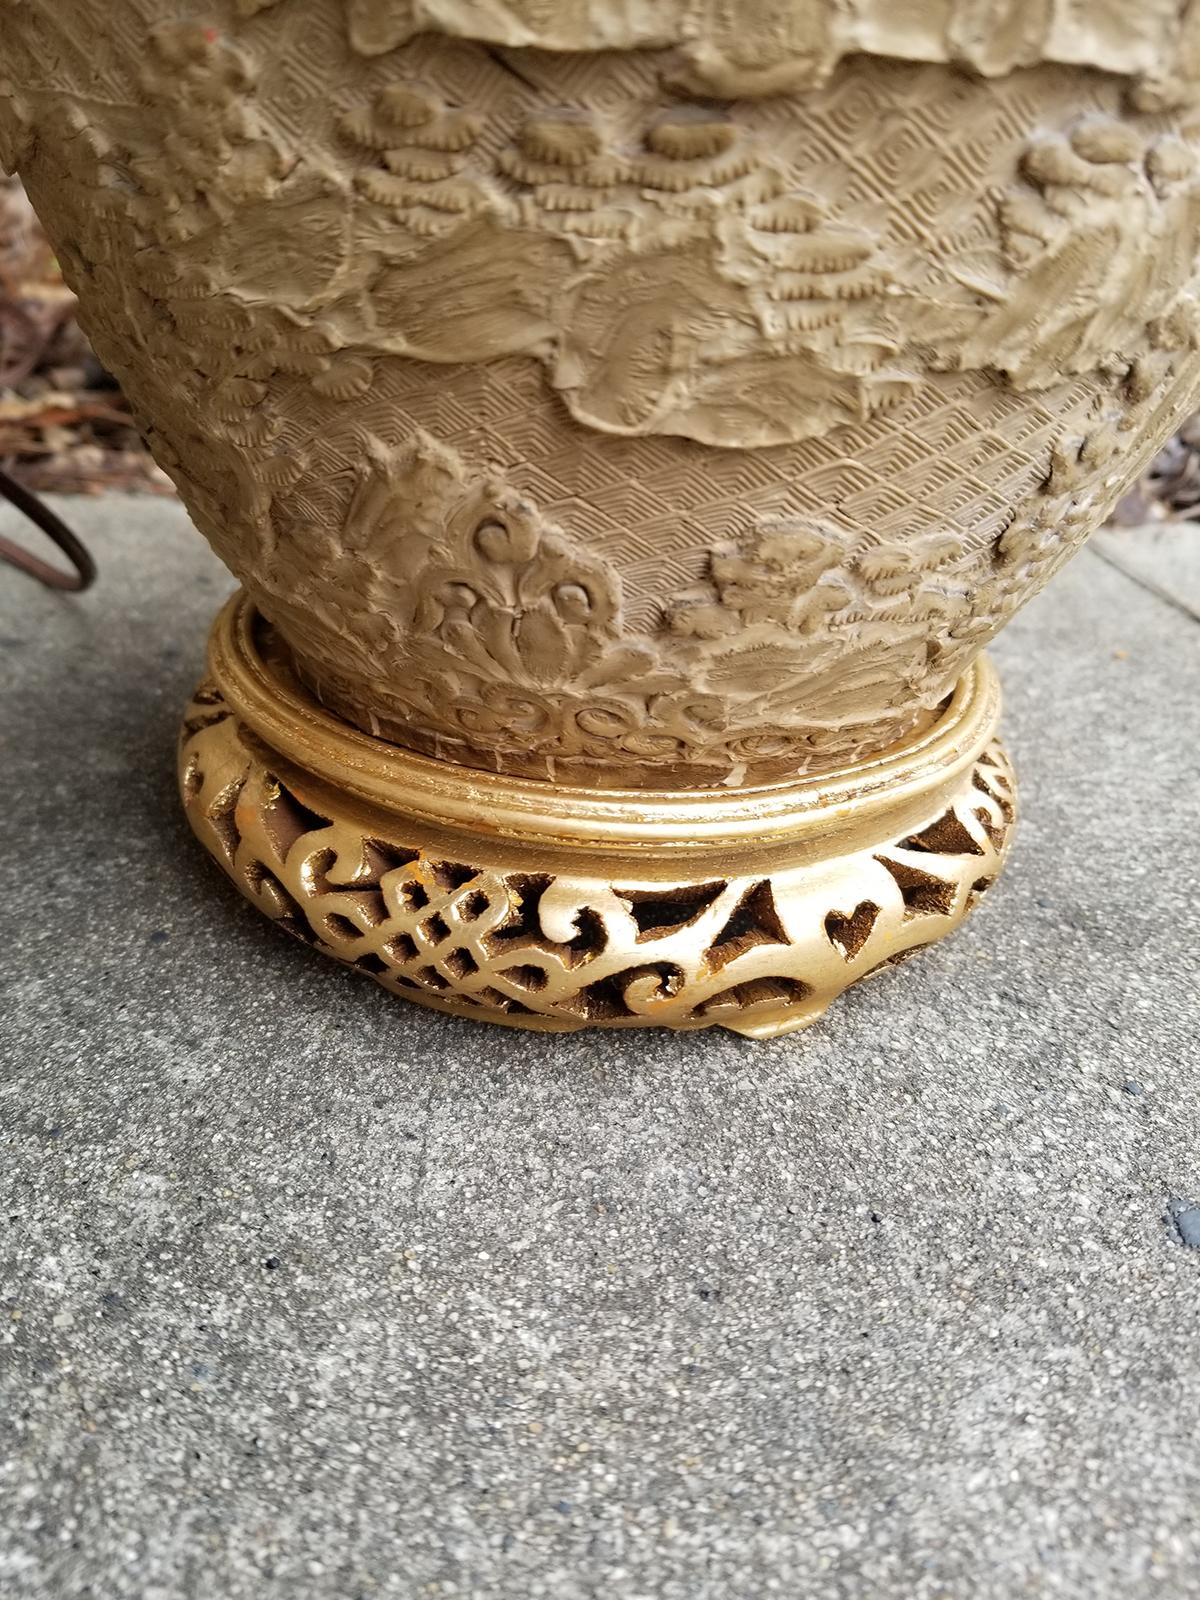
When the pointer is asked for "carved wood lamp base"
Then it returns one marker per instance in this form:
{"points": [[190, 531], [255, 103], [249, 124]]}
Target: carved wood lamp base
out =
{"points": [[542, 906]]}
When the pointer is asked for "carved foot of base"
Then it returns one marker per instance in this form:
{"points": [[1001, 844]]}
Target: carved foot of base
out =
{"points": [[544, 907]]}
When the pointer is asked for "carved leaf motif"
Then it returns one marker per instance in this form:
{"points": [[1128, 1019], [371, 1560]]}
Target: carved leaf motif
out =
{"points": [[484, 584], [542, 645]]}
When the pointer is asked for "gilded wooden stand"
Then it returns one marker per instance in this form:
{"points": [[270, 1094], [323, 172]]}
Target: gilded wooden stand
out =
{"points": [[551, 907]]}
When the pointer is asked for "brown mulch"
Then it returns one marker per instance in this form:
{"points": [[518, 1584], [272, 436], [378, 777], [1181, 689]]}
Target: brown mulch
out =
{"points": [[1169, 491], [64, 423]]}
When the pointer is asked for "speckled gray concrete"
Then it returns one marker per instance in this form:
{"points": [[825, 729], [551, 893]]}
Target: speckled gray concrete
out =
{"points": [[309, 1295]]}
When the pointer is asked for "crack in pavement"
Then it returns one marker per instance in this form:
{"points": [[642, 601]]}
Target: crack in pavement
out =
{"points": [[1148, 584]]}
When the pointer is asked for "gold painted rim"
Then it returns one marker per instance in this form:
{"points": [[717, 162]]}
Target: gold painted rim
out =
{"points": [[292, 722]]}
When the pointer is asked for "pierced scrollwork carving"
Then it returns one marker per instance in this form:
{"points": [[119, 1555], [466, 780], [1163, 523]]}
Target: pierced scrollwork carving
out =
{"points": [[470, 928]]}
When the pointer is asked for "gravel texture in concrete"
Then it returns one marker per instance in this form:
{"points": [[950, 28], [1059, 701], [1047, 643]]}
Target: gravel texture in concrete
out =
{"points": [[309, 1295]]}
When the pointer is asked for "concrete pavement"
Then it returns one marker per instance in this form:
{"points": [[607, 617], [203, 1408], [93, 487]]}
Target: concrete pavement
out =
{"points": [[306, 1293]]}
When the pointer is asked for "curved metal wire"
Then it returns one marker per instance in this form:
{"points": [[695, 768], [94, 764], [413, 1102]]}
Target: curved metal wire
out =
{"points": [[55, 529]]}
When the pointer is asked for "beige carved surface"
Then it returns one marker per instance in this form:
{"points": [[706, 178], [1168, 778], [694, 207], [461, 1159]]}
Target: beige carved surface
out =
{"points": [[771, 46], [569, 420]]}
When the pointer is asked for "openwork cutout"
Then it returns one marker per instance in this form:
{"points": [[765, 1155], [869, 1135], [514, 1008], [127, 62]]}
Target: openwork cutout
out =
{"points": [[761, 952]]}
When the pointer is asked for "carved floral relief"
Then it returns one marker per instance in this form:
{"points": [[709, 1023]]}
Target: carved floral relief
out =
{"points": [[568, 414]]}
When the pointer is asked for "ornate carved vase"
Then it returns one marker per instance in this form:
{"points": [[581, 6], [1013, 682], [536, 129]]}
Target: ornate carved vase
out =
{"points": [[628, 419]]}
